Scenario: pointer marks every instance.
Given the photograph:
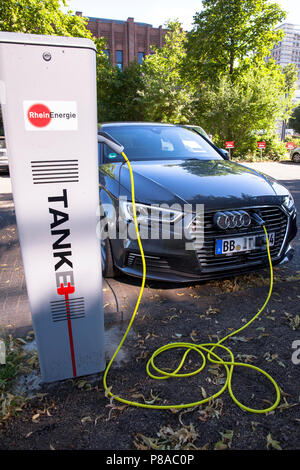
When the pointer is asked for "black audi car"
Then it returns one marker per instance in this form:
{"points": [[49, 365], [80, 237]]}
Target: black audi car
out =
{"points": [[214, 207]]}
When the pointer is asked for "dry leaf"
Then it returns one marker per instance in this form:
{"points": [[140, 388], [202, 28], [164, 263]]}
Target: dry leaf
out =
{"points": [[86, 419]]}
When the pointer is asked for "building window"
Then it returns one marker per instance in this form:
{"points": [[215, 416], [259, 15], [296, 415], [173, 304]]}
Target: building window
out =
{"points": [[107, 53], [141, 57], [119, 59]]}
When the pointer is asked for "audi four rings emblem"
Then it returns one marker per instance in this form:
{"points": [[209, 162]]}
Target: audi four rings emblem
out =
{"points": [[232, 219]]}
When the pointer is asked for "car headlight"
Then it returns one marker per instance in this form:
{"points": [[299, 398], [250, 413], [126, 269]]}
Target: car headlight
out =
{"points": [[146, 213], [289, 203]]}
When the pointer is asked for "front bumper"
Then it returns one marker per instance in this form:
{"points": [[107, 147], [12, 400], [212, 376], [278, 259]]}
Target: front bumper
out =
{"points": [[168, 260]]}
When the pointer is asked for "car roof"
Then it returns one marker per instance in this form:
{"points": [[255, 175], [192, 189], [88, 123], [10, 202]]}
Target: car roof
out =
{"points": [[130, 123]]}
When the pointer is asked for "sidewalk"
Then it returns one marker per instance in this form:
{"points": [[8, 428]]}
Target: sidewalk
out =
{"points": [[14, 308]]}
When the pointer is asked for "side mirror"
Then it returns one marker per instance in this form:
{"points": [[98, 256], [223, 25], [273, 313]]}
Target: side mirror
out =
{"points": [[113, 144], [225, 154]]}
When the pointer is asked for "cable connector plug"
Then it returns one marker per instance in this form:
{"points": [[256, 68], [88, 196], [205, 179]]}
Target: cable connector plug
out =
{"points": [[257, 219]]}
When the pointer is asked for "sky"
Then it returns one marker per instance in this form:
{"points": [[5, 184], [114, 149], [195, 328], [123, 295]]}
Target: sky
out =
{"points": [[157, 12]]}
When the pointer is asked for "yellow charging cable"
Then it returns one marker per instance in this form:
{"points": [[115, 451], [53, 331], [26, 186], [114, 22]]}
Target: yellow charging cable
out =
{"points": [[207, 348]]}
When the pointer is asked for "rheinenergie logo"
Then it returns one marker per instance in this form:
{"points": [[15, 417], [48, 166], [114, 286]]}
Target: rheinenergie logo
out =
{"points": [[40, 115], [50, 115]]}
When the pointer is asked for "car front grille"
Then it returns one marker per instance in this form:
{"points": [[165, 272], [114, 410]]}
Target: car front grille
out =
{"points": [[275, 221]]}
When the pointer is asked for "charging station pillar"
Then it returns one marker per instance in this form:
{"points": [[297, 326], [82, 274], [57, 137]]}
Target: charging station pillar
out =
{"points": [[49, 105]]}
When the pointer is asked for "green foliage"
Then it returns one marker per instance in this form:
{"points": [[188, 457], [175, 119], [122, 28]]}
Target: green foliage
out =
{"points": [[275, 149], [294, 122], [118, 98], [295, 140], [153, 91], [290, 73], [47, 17], [237, 110], [18, 361], [238, 93], [165, 95], [228, 36], [36, 17], [14, 358]]}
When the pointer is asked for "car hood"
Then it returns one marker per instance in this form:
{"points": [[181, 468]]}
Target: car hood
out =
{"points": [[215, 183]]}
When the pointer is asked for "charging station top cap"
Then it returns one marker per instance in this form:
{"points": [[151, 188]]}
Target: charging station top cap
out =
{"points": [[43, 40]]}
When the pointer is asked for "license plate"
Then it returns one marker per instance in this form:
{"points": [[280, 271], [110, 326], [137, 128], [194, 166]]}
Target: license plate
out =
{"points": [[237, 245]]}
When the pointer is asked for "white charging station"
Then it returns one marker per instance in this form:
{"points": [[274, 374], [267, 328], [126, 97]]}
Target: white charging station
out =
{"points": [[48, 98]]}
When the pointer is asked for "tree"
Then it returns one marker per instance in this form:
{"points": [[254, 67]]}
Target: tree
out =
{"points": [[241, 109], [164, 94], [47, 17], [230, 35], [239, 95], [290, 85], [36, 17], [118, 98], [294, 122]]}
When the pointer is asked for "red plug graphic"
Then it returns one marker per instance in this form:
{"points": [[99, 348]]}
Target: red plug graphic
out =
{"points": [[66, 290]]}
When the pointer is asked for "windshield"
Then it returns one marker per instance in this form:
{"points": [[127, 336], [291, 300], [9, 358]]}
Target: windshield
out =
{"points": [[157, 143]]}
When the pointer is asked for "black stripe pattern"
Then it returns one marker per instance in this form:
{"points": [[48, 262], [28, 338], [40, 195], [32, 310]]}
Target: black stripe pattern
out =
{"points": [[55, 171], [63, 310]]}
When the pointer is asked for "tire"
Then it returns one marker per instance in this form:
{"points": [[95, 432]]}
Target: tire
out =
{"points": [[296, 158], [107, 262]]}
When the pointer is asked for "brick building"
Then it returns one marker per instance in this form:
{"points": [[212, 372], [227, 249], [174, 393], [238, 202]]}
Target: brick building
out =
{"points": [[126, 40]]}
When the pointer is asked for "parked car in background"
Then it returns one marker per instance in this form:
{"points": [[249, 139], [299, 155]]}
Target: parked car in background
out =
{"points": [[176, 168], [295, 155], [3, 155]]}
